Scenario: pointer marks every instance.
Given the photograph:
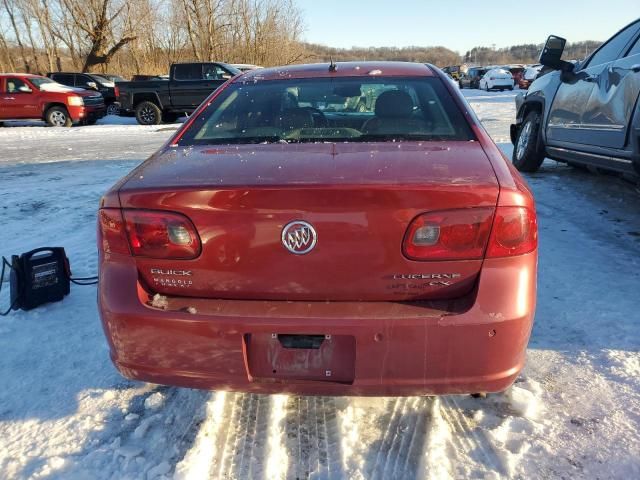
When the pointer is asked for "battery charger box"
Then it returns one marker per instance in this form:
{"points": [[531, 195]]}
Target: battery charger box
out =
{"points": [[39, 276]]}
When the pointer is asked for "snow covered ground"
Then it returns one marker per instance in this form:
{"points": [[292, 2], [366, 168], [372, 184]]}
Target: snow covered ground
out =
{"points": [[66, 413]]}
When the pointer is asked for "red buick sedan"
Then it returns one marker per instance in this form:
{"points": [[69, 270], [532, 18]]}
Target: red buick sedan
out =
{"points": [[346, 230]]}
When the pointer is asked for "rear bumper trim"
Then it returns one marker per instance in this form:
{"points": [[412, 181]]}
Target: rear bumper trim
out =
{"points": [[400, 349]]}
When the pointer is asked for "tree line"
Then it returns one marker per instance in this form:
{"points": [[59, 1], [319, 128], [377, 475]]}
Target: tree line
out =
{"points": [[144, 36]]}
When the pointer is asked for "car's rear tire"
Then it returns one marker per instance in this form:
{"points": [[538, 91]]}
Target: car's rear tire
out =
{"points": [[527, 153], [148, 113], [58, 117]]}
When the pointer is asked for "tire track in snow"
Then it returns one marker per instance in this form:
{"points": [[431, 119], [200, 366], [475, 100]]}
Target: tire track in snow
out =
{"points": [[241, 449], [385, 437], [311, 438], [402, 445], [470, 442]]}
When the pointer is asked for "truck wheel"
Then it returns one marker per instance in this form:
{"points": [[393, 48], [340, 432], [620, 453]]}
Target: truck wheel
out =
{"points": [[113, 109], [527, 157], [58, 117], [148, 113]]}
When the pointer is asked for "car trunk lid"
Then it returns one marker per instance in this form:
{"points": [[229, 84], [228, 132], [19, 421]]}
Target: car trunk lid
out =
{"points": [[359, 198]]}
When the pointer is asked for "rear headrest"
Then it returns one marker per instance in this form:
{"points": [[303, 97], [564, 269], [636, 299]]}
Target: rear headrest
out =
{"points": [[394, 104], [294, 118]]}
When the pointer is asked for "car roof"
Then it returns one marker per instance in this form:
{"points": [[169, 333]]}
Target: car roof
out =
{"points": [[343, 69], [16, 74]]}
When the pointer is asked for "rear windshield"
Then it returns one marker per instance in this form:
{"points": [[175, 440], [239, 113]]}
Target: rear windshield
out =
{"points": [[328, 110]]}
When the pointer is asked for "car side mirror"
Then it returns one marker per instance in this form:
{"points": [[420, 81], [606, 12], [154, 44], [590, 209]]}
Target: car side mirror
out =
{"points": [[226, 76], [552, 52], [92, 85], [24, 89]]}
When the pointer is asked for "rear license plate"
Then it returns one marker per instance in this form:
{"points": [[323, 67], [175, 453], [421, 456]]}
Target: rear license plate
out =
{"points": [[329, 358]]}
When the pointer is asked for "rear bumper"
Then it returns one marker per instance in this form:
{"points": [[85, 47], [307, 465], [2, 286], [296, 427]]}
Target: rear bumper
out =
{"points": [[397, 349], [501, 85]]}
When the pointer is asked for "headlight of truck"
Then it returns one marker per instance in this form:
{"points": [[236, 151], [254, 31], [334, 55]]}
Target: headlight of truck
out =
{"points": [[76, 101]]}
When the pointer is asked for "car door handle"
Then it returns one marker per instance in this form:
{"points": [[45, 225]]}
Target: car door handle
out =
{"points": [[635, 68], [8, 98]]}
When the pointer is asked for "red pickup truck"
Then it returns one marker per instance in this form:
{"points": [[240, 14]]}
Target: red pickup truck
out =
{"points": [[24, 96]]}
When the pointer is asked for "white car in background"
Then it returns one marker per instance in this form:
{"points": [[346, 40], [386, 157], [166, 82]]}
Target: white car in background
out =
{"points": [[497, 79]]}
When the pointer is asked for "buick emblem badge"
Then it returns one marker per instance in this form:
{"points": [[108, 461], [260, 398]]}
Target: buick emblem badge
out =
{"points": [[299, 237]]}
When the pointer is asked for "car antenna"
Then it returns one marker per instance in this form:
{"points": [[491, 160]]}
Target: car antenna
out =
{"points": [[332, 66]]}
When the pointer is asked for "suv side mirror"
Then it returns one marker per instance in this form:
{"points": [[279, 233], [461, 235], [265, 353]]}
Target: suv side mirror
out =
{"points": [[92, 85], [552, 52], [24, 89]]}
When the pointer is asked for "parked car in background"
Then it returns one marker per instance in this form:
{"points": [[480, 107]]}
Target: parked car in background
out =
{"points": [[471, 79], [528, 76], [156, 101], [516, 72], [244, 67], [113, 78], [497, 79], [585, 113], [453, 71], [33, 97], [90, 81], [271, 247]]}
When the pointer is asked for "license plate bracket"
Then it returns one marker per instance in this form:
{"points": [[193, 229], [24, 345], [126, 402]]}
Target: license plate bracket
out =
{"points": [[319, 357]]}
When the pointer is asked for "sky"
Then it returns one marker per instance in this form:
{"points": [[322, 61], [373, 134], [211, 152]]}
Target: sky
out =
{"points": [[461, 24]]}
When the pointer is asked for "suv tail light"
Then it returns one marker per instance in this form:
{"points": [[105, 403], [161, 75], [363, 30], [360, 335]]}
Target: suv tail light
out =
{"points": [[116, 91], [465, 234], [148, 233], [449, 235], [515, 232]]}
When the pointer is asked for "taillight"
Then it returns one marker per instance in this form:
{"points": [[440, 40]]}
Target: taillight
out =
{"points": [[515, 231], [116, 91], [158, 234], [112, 236], [449, 235]]}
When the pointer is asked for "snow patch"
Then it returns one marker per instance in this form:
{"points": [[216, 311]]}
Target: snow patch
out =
{"points": [[437, 454], [277, 456], [160, 301], [523, 402], [154, 401]]}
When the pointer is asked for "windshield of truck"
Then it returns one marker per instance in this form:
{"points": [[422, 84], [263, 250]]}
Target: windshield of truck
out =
{"points": [[39, 81]]}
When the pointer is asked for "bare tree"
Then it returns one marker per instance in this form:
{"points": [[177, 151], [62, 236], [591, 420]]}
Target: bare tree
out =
{"points": [[98, 20], [9, 6]]}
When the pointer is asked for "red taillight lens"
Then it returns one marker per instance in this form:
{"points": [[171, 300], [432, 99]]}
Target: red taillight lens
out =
{"points": [[116, 91], [112, 235], [157, 234], [449, 235], [515, 231]]}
